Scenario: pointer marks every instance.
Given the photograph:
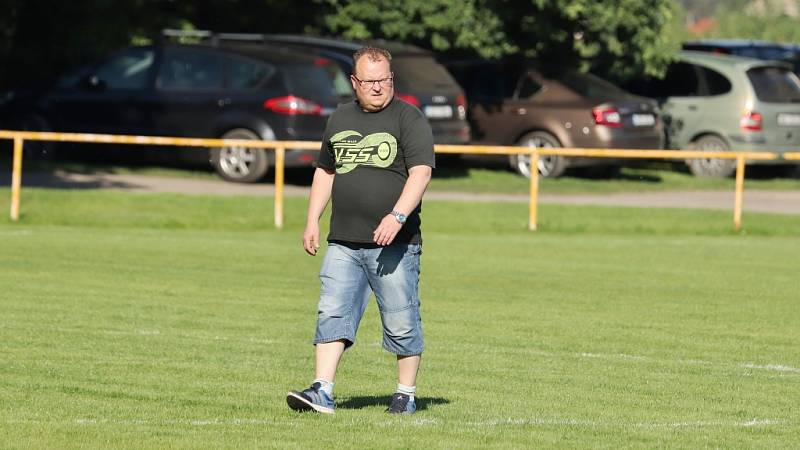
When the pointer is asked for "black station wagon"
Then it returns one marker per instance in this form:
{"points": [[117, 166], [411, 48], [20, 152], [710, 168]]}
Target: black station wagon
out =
{"points": [[221, 88]]}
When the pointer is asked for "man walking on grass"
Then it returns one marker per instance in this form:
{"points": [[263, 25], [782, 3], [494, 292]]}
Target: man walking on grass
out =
{"points": [[375, 164]]}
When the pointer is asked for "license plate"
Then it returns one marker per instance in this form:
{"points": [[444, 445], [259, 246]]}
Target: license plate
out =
{"points": [[644, 120], [789, 120], [439, 111]]}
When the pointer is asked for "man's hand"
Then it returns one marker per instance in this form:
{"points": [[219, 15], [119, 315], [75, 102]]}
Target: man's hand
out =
{"points": [[311, 238], [387, 230]]}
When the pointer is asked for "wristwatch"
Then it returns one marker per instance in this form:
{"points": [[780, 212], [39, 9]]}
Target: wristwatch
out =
{"points": [[401, 218]]}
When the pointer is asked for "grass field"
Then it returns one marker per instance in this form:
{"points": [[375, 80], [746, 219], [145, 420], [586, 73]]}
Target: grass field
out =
{"points": [[167, 321]]}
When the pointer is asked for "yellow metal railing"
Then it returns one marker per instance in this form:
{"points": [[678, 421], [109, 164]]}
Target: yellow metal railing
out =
{"points": [[280, 149]]}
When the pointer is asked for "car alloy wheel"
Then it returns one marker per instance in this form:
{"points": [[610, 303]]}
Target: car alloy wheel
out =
{"points": [[711, 167], [550, 166], [238, 163]]}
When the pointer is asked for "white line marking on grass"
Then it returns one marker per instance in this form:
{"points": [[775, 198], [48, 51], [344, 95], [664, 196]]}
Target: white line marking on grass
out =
{"points": [[425, 421], [538, 422], [773, 367], [618, 355], [193, 422], [417, 422], [148, 332], [198, 337], [543, 422], [16, 233], [776, 367], [713, 423]]}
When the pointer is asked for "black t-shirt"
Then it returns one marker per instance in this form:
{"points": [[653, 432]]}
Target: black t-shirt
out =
{"points": [[371, 153]]}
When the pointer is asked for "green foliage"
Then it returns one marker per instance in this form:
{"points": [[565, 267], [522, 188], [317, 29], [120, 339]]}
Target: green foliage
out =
{"points": [[619, 37], [438, 24]]}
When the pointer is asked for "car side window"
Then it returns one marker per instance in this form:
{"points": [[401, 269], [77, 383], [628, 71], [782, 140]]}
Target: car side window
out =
{"points": [[528, 87], [126, 70], [188, 69], [248, 74], [680, 81], [485, 81], [74, 78], [717, 83]]}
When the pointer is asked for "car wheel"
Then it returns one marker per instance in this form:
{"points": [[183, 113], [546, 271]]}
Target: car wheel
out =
{"points": [[551, 166], [711, 167], [240, 164]]}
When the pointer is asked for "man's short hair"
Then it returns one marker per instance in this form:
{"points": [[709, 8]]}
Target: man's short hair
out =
{"points": [[373, 53]]}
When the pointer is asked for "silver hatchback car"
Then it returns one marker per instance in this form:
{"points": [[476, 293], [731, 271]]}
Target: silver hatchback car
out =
{"points": [[721, 102]]}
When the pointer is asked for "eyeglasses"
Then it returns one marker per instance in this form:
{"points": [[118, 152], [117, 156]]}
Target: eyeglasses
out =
{"points": [[369, 84]]}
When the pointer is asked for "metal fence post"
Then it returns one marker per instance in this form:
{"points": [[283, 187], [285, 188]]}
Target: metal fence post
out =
{"points": [[534, 191], [737, 209], [16, 178], [280, 154]]}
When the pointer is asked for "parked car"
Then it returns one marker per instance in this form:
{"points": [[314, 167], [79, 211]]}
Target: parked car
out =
{"points": [[516, 102], [772, 51], [419, 80], [221, 89], [720, 102]]}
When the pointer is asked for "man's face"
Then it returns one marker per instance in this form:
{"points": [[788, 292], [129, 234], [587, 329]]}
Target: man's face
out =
{"points": [[372, 81]]}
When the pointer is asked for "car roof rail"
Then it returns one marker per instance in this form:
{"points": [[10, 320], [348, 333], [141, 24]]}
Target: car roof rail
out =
{"points": [[214, 38]]}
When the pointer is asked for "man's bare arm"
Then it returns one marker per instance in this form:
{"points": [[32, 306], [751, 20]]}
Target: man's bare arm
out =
{"points": [[317, 201]]}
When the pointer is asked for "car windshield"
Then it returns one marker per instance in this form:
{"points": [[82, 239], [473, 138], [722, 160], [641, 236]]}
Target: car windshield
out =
{"points": [[590, 86], [421, 73], [775, 84], [322, 80]]}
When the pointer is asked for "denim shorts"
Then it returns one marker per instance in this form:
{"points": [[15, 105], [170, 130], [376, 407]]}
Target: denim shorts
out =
{"points": [[349, 275]]}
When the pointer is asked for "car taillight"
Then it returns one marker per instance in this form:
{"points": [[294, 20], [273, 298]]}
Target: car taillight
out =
{"points": [[751, 121], [461, 105], [607, 116], [408, 98], [292, 105]]}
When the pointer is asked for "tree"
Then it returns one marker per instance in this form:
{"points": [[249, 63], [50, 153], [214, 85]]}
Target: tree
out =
{"points": [[438, 24], [613, 37], [616, 38]]}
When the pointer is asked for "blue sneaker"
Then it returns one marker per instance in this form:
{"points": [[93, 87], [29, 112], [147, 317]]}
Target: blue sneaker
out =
{"points": [[401, 404], [311, 399]]}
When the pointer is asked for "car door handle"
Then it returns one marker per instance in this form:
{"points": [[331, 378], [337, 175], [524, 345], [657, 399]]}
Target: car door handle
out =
{"points": [[692, 107], [521, 111]]}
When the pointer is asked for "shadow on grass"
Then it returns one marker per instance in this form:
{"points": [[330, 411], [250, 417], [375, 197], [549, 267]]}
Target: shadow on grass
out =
{"points": [[638, 176], [384, 401]]}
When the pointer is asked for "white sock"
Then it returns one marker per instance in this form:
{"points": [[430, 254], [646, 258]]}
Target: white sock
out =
{"points": [[325, 386], [407, 390]]}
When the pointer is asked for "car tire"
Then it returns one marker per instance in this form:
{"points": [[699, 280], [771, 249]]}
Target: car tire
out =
{"points": [[551, 166], [711, 167], [240, 164]]}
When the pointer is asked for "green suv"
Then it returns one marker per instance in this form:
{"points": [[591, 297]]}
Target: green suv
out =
{"points": [[720, 102]]}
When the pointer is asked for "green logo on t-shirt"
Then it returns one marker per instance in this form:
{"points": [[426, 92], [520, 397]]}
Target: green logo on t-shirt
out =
{"points": [[352, 150]]}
